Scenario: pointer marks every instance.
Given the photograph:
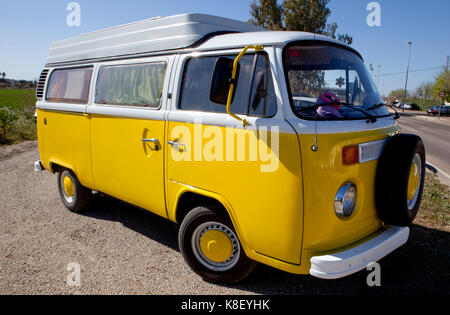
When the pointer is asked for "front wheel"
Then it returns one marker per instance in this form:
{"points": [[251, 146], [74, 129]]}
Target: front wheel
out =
{"points": [[210, 246]]}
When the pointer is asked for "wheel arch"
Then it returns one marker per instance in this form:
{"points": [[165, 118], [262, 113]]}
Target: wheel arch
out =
{"points": [[189, 200], [189, 197], [57, 166]]}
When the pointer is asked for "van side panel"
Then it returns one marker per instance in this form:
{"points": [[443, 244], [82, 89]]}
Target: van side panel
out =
{"points": [[64, 139], [126, 167], [265, 196]]}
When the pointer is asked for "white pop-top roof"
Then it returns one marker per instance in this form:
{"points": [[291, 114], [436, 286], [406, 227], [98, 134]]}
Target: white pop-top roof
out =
{"points": [[152, 35]]}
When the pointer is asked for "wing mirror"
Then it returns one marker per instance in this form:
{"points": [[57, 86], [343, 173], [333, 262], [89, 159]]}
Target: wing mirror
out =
{"points": [[222, 80]]}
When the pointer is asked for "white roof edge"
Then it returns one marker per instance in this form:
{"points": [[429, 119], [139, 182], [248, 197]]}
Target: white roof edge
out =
{"points": [[147, 36], [269, 38]]}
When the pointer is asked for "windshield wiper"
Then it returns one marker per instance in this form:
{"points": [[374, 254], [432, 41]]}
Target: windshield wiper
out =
{"points": [[376, 106], [372, 119], [396, 115]]}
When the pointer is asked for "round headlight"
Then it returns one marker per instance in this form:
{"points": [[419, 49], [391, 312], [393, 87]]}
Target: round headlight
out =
{"points": [[345, 201]]}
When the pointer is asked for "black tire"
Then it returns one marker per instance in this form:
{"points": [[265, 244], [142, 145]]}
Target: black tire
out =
{"points": [[81, 197], [241, 267], [393, 176]]}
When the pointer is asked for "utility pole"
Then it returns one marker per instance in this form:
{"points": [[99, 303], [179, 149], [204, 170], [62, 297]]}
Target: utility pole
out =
{"points": [[407, 73], [378, 79], [446, 67]]}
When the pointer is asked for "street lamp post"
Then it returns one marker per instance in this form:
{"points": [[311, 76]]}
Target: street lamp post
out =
{"points": [[407, 73]]}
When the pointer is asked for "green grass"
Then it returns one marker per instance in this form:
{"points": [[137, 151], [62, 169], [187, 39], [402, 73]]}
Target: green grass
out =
{"points": [[17, 108], [17, 98], [435, 206]]}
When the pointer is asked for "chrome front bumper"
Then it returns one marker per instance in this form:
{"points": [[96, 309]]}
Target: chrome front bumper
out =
{"points": [[341, 264]]}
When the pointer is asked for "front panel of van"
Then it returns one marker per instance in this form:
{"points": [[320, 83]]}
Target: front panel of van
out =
{"points": [[324, 133]]}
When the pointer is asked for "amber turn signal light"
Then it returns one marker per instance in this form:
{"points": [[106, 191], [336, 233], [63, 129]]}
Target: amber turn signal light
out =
{"points": [[350, 155]]}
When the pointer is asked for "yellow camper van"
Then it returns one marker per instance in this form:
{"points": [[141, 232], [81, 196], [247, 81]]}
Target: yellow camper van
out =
{"points": [[269, 147]]}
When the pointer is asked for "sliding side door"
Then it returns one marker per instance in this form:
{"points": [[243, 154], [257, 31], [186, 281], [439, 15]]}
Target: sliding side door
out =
{"points": [[127, 131]]}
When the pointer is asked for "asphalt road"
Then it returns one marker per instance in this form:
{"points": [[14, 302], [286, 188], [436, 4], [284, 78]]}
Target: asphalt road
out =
{"points": [[122, 250], [436, 137]]}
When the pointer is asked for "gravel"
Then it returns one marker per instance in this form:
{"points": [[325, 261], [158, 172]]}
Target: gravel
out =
{"points": [[123, 250]]}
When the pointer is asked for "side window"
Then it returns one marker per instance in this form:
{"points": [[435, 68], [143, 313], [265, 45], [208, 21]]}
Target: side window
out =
{"points": [[263, 102], [197, 77], [137, 85], [69, 85]]}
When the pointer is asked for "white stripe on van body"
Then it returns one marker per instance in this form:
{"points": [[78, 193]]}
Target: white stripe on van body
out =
{"points": [[127, 112], [221, 119], [62, 107]]}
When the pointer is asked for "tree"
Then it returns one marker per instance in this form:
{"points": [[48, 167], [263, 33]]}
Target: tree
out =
{"points": [[425, 91], [443, 84], [345, 38], [398, 94], [296, 15], [306, 15], [330, 30], [267, 14], [3, 75]]}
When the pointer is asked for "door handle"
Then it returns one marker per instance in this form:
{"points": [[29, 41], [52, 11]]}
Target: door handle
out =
{"points": [[178, 146], [154, 140]]}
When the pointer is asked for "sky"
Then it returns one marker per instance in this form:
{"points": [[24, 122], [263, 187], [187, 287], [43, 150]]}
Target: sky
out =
{"points": [[28, 28]]}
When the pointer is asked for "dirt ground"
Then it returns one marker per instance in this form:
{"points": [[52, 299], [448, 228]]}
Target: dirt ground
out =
{"points": [[122, 250]]}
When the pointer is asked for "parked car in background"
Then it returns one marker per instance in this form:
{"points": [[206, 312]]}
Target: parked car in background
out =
{"points": [[412, 106], [304, 101], [435, 110], [396, 104], [445, 110]]}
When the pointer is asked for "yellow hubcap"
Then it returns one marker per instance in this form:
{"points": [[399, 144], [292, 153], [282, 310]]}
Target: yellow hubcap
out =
{"points": [[216, 246], [69, 187], [413, 182]]}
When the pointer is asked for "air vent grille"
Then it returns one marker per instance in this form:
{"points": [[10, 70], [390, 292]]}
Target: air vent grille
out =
{"points": [[41, 84]]}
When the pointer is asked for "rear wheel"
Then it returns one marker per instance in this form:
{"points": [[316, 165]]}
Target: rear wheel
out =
{"points": [[210, 246], [74, 196]]}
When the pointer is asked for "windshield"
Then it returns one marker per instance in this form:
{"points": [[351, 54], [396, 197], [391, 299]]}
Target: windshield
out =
{"points": [[330, 83]]}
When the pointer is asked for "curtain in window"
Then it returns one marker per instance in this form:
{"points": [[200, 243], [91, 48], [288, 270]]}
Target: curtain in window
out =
{"points": [[70, 85], [132, 85]]}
